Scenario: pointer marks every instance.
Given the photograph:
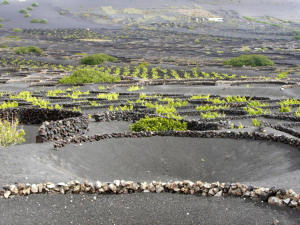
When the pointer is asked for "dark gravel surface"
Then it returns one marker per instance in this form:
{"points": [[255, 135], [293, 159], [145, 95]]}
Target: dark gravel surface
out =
{"points": [[142, 208], [108, 127], [271, 91], [155, 158]]}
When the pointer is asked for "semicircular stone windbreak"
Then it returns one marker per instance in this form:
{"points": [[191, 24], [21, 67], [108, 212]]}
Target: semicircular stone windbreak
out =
{"points": [[239, 166]]}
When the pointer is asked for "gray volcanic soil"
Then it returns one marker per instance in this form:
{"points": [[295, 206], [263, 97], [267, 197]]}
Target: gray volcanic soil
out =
{"points": [[156, 158], [147, 208], [270, 91]]}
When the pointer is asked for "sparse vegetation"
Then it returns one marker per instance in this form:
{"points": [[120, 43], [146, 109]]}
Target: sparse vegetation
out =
{"points": [[9, 104], [158, 124], [211, 115], [281, 75], [135, 88], [5, 2], [18, 30], [256, 122], [109, 96], [10, 133]]}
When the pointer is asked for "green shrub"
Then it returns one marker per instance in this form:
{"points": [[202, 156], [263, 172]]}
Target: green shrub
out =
{"points": [[24, 11], [97, 59], [290, 101], [81, 76], [211, 107], [108, 96], [44, 21], [158, 124], [256, 122], [135, 88], [256, 111], [1, 19], [250, 60], [211, 115], [29, 8], [28, 50], [6, 105], [281, 75], [1, 25], [35, 4], [3, 46], [285, 108], [10, 134], [19, 30], [35, 21], [5, 2], [297, 113]]}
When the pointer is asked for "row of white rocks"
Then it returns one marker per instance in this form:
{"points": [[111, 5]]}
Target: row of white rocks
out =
{"points": [[274, 196]]}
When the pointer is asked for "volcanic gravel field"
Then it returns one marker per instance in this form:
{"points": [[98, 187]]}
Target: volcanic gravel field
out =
{"points": [[237, 162]]}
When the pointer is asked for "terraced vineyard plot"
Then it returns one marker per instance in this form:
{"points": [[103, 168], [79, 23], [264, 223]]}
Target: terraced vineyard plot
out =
{"points": [[197, 102]]}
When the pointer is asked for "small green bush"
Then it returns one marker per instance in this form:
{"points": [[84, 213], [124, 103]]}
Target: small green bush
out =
{"points": [[28, 50], [97, 59], [24, 11], [9, 104], [10, 134], [158, 124], [35, 4], [3, 46], [35, 21], [256, 122], [249, 60], [81, 76], [1, 19], [5, 2], [1, 25], [285, 108], [281, 75], [44, 21], [19, 30]]}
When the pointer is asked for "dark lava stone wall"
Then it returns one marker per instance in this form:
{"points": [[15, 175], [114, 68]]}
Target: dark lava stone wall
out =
{"points": [[62, 129], [36, 115]]}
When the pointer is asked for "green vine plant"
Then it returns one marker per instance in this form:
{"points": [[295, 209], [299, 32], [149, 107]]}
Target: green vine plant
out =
{"points": [[10, 133], [135, 88], [158, 124], [256, 122], [121, 108], [211, 107], [108, 96], [9, 104], [211, 115], [297, 113]]}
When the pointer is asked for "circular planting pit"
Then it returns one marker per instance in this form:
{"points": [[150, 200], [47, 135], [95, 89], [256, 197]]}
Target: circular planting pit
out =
{"points": [[177, 158]]}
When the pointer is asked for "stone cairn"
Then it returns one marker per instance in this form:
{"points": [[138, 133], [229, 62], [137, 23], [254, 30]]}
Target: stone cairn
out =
{"points": [[274, 196]]}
